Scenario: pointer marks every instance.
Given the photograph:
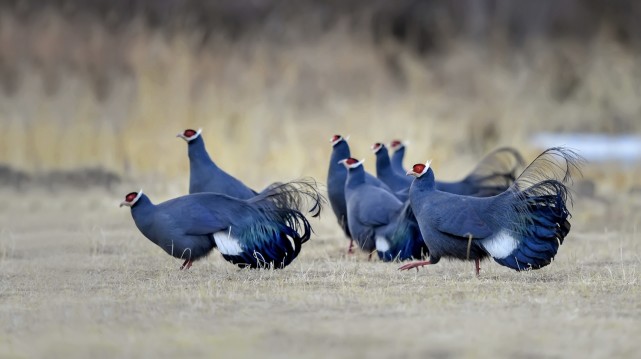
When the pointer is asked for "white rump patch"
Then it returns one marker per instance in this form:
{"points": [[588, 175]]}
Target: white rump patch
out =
{"points": [[500, 245], [382, 244], [227, 244]]}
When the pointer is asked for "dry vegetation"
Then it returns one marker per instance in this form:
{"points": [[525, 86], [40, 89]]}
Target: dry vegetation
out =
{"points": [[78, 280], [115, 98]]}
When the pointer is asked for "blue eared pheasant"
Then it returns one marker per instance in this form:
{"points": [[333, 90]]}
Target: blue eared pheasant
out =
{"points": [[205, 175], [521, 228], [267, 230], [378, 220], [397, 157], [336, 177], [386, 173]]}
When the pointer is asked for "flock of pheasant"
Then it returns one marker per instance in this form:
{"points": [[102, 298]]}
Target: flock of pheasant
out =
{"points": [[517, 216]]}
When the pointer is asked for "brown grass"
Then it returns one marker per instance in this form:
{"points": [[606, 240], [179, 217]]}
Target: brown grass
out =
{"points": [[78, 280]]}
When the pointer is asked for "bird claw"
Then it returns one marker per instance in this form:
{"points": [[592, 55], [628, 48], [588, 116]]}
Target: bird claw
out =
{"points": [[416, 265], [186, 265], [350, 250]]}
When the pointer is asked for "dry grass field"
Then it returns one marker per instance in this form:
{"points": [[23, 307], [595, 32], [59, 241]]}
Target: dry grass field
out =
{"points": [[78, 280]]}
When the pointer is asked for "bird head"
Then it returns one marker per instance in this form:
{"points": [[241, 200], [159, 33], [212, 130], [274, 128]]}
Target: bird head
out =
{"points": [[377, 147], [351, 162], [189, 135], [419, 169], [131, 199], [336, 139], [396, 145]]}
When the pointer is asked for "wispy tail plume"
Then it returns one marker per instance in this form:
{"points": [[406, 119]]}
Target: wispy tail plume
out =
{"points": [[296, 194]]}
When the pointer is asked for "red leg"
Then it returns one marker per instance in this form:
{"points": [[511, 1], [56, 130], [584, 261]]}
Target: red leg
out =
{"points": [[186, 264], [350, 250], [478, 266], [369, 258], [415, 265]]}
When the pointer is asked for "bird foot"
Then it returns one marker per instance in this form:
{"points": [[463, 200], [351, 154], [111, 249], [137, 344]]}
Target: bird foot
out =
{"points": [[416, 265], [186, 265], [350, 250]]}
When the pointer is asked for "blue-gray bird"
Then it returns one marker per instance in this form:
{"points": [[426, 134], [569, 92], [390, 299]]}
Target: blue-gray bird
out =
{"points": [[521, 228], [336, 178], [397, 157], [205, 175], [386, 173], [378, 220], [267, 230]]}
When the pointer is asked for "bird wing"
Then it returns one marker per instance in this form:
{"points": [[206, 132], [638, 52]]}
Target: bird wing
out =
{"points": [[204, 213], [371, 180], [376, 207], [457, 216]]}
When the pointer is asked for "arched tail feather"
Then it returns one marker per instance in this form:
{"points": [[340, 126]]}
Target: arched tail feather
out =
{"points": [[274, 236], [294, 194], [496, 172], [272, 243]]}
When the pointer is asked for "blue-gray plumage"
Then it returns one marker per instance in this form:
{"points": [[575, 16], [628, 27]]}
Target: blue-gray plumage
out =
{"points": [[494, 174], [397, 157], [336, 178], [205, 175], [521, 228], [378, 220], [491, 176], [385, 172], [265, 231]]}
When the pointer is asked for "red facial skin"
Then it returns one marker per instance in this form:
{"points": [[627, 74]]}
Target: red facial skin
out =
{"points": [[189, 133], [130, 197]]}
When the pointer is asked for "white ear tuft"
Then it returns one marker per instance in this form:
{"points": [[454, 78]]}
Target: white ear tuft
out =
{"points": [[137, 197]]}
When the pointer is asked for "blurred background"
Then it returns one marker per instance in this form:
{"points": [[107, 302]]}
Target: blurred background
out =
{"points": [[92, 92]]}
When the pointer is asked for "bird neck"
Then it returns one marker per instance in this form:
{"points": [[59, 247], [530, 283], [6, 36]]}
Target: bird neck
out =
{"points": [[355, 177], [339, 152], [399, 154], [198, 153], [142, 213], [424, 183], [383, 163]]}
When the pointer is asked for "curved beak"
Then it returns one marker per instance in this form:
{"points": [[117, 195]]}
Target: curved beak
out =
{"points": [[123, 203], [410, 173]]}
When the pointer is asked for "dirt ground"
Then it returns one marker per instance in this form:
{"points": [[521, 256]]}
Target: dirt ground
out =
{"points": [[78, 280]]}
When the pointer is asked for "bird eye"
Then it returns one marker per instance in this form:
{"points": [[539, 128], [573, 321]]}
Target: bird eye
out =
{"points": [[350, 161], [189, 133], [336, 138]]}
